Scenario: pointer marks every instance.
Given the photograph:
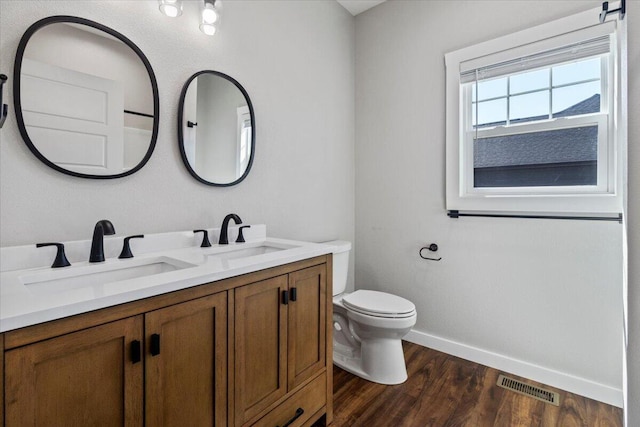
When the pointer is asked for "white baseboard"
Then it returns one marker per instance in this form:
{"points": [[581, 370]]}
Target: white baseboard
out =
{"points": [[563, 381]]}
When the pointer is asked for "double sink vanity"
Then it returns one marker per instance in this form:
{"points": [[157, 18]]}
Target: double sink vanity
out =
{"points": [[172, 331], [229, 335]]}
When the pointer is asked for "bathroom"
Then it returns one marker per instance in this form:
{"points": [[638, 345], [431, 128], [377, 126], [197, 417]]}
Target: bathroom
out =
{"points": [[350, 145]]}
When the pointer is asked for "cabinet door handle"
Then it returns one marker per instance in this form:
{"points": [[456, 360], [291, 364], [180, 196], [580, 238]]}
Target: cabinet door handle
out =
{"points": [[299, 413], [285, 297], [155, 344], [293, 294], [136, 351]]}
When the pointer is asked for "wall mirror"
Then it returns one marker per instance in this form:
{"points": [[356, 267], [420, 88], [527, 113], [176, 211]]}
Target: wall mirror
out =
{"points": [[216, 129], [86, 98]]}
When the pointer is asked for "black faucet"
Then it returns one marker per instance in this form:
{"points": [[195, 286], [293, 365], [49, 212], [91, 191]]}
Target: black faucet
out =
{"points": [[102, 228], [224, 231]]}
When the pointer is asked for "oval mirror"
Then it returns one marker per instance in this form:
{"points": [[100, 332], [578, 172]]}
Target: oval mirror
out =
{"points": [[86, 98], [216, 129]]}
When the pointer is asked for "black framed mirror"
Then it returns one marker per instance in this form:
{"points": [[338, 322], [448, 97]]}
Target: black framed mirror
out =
{"points": [[86, 98], [216, 129]]}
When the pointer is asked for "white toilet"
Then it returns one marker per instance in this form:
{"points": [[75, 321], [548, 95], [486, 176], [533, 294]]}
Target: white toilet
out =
{"points": [[368, 327]]}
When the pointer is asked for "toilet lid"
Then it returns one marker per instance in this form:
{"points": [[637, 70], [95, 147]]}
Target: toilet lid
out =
{"points": [[379, 304]]}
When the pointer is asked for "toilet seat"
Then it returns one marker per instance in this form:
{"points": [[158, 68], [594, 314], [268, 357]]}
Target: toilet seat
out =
{"points": [[379, 304]]}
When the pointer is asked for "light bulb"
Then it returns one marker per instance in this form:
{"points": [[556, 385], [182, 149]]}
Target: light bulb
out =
{"points": [[209, 14], [208, 29], [171, 8]]}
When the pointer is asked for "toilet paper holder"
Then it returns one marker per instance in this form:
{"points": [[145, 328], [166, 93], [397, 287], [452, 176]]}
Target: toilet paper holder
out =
{"points": [[433, 248]]}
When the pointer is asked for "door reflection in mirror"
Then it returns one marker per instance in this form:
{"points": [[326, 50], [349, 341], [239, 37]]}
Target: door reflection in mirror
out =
{"points": [[88, 100], [216, 129]]}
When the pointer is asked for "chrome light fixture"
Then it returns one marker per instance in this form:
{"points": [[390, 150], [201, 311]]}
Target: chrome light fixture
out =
{"points": [[171, 8], [209, 13], [209, 17]]}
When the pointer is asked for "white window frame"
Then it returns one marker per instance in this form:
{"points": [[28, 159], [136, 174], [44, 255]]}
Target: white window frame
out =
{"points": [[604, 198]]}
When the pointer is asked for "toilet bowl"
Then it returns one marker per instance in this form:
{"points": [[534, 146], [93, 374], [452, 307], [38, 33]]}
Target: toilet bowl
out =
{"points": [[368, 327]]}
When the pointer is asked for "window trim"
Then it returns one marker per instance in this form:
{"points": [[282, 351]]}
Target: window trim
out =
{"points": [[606, 198]]}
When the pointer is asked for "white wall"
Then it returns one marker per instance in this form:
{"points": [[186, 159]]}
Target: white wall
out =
{"points": [[540, 298], [295, 59]]}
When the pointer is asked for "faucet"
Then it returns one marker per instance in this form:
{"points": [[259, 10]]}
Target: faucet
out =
{"points": [[224, 231], [102, 228]]}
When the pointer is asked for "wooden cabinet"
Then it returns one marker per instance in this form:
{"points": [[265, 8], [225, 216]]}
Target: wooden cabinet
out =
{"points": [[280, 340], [97, 376], [79, 379], [250, 350], [307, 324], [261, 350], [1, 380], [186, 369]]}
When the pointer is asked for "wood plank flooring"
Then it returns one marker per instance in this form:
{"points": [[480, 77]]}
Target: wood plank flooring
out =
{"points": [[444, 390]]}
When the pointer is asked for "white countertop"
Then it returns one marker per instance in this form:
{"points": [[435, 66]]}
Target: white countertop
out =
{"points": [[28, 304]]}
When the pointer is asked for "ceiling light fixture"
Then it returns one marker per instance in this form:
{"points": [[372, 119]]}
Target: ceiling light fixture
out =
{"points": [[209, 13], [171, 8], [209, 17]]}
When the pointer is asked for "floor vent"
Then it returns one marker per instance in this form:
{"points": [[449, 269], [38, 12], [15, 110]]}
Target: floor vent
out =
{"points": [[529, 390]]}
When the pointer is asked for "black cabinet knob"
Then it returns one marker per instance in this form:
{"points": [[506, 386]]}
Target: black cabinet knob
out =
{"points": [[155, 344], [136, 351]]}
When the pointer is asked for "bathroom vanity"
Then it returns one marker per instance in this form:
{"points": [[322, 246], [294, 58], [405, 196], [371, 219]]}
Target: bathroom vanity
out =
{"points": [[241, 337]]}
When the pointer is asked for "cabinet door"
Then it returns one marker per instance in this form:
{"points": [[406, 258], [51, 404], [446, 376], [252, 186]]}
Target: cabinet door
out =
{"points": [[186, 363], [1, 380], [307, 323], [85, 378], [261, 346]]}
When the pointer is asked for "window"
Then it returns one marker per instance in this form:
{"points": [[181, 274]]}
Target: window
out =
{"points": [[244, 140], [540, 128], [531, 121]]}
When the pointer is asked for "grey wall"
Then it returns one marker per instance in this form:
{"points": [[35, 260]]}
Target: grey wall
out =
{"points": [[633, 217], [542, 297], [295, 59]]}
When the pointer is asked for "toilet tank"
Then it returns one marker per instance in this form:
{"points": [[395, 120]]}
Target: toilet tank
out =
{"points": [[340, 264]]}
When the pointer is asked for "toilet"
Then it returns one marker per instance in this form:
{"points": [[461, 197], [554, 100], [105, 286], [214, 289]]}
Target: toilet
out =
{"points": [[368, 326]]}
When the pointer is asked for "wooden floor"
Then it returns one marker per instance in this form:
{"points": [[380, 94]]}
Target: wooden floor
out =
{"points": [[444, 390]]}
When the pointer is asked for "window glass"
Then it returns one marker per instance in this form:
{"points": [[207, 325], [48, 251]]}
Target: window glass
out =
{"points": [[576, 71], [525, 82], [563, 157], [532, 106], [576, 99], [491, 113], [488, 89], [529, 96]]}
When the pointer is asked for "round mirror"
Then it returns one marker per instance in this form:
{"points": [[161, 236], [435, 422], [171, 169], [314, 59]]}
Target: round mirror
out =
{"points": [[86, 98], [216, 129]]}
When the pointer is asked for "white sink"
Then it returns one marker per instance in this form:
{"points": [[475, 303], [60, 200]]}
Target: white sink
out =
{"points": [[69, 278], [245, 250]]}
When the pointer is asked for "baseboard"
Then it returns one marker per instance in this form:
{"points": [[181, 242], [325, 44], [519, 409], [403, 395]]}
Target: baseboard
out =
{"points": [[570, 383]]}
